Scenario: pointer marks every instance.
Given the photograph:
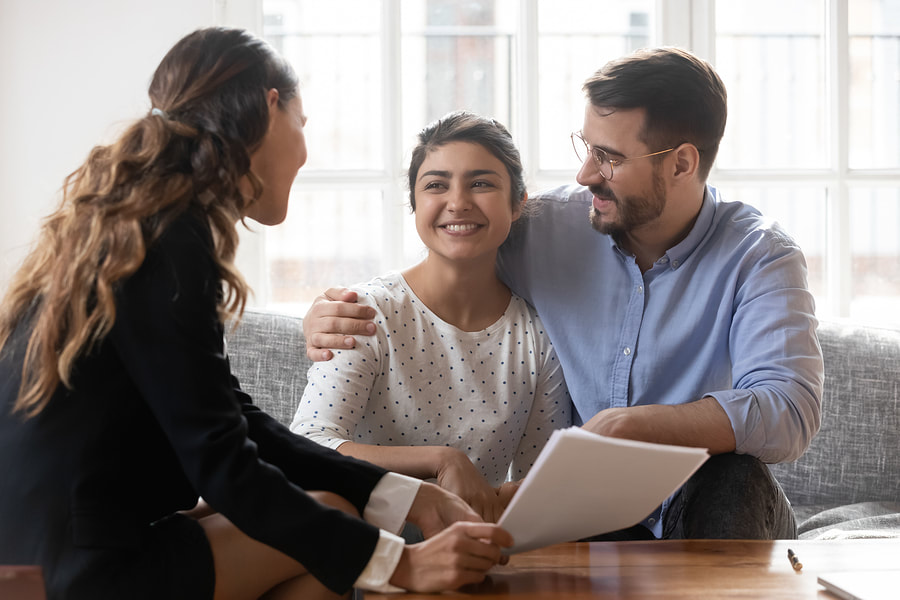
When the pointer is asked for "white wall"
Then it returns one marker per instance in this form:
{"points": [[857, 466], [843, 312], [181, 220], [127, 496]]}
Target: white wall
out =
{"points": [[72, 73]]}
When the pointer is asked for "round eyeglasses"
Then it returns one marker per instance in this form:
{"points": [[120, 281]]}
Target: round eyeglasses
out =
{"points": [[602, 160]]}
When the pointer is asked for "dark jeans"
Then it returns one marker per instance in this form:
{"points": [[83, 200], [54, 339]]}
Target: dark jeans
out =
{"points": [[732, 496]]}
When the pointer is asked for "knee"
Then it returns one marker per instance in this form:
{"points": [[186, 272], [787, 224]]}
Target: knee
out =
{"points": [[335, 501], [736, 469]]}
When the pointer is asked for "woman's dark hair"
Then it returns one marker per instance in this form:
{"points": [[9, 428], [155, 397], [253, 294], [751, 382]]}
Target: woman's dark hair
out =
{"points": [[462, 126], [684, 98], [209, 113]]}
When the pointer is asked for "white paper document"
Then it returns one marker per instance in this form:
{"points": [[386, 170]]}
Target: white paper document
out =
{"points": [[862, 585], [585, 484]]}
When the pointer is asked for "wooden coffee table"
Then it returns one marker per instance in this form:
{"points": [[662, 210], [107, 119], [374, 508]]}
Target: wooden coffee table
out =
{"points": [[675, 569]]}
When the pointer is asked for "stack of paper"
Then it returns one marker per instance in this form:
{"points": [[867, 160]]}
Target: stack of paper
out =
{"points": [[585, 484]]}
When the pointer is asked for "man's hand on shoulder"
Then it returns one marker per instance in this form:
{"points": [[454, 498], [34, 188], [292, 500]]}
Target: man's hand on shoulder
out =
{"points": [[332, 320]]}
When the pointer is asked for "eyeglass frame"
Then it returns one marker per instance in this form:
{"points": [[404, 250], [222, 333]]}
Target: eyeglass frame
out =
{"points": [[593, 151]]}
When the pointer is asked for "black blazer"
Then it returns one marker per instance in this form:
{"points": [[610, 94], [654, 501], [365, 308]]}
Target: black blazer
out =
{"points": [[154, 419]]}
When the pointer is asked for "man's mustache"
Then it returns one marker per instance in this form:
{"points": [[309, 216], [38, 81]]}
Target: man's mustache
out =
{"points": [[603, 192]]}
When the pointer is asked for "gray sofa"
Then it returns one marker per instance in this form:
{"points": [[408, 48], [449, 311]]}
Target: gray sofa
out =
{"points": [[846, 485]]}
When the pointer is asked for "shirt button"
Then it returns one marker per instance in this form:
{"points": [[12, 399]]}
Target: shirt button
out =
{"points": [[675, 263], [640, 289], [664, 259], [627, 351], [651, 520]]}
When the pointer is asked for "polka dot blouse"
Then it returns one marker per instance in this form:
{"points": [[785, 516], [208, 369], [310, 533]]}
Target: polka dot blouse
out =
{"points": [[495, 394]]}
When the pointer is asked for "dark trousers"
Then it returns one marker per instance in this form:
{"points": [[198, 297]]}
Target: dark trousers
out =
{"points": [[732, 496]]}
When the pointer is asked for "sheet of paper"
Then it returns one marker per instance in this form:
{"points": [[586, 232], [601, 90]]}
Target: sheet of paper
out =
{"points": [[584, 484], [862, 585]]}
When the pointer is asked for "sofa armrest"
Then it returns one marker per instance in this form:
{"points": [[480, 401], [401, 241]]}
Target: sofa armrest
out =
{"points": [[854, 458]]}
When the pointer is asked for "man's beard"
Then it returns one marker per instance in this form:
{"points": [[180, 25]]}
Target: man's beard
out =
{"points": [[631, 211]]}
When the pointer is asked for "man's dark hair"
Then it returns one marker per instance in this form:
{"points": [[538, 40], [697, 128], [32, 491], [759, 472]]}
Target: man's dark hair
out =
{"points": [[682, 95]]}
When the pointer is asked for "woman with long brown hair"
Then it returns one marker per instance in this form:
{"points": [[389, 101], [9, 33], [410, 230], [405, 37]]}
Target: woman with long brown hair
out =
{"points": [[117, 406]]}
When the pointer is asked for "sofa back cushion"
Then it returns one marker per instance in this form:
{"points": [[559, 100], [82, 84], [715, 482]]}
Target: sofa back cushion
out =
{"points": [[854, 458], [268, 355], [856, 455]]}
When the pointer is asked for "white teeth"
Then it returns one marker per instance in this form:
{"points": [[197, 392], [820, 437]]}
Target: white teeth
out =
{"points": [[466, 227]]}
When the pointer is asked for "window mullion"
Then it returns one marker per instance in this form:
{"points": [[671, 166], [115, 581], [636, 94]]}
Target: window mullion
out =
{"points": [[526, 127], [392, 193], [839, 264], [674, 20]]}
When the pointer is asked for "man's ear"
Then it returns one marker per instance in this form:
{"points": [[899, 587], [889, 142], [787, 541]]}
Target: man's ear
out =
{"points": [[687, 160], [518, 210]]}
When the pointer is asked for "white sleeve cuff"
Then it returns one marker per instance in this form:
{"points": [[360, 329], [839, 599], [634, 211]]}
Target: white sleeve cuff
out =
{"points": [[377, 574], [390, 501]]}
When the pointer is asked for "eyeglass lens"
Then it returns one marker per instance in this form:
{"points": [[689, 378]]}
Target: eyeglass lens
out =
{"points": [[601, 160]]}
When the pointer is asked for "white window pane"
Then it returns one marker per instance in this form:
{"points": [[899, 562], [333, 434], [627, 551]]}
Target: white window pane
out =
{"points": [[329, 238], [874, 84], [335, 48], [875, 255], [771, 56], [571, 49], [456, 56], [801, 212]]}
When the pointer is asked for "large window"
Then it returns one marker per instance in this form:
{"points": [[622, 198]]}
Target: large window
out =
{"points": [[813, 136]]}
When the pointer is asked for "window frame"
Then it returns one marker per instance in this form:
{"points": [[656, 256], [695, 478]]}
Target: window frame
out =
{"points": [[686, 23]]}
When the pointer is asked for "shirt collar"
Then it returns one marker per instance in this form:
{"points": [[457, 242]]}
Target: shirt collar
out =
{"points": [[683, 249]]}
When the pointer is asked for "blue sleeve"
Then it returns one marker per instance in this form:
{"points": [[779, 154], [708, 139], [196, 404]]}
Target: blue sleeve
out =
{"points": [[777, 365]]}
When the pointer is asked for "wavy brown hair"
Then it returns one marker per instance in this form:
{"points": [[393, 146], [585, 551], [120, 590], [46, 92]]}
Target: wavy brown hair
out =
{"points": [[191, 151]]}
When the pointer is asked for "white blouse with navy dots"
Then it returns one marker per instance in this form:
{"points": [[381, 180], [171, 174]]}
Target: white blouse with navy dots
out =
{"points": [[495, 394]]}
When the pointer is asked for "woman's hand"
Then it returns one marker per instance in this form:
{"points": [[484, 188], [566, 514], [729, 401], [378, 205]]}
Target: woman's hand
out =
{"points": [[332, 320], [506, 492], [457, 556], [434, 509], [457, 474]]}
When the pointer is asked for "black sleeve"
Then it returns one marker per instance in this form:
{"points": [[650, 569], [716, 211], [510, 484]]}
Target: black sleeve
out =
{"points": [[279, 446], [169, 337]]}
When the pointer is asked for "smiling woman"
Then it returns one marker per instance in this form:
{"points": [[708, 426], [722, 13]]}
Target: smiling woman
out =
{"points": [[460, 382]]}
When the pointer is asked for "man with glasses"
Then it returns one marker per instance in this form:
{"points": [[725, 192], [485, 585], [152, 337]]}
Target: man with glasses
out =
{"points": [[678, 318]]}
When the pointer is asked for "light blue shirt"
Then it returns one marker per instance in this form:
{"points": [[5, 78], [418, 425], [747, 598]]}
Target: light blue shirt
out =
{"points": [[725, 313]]}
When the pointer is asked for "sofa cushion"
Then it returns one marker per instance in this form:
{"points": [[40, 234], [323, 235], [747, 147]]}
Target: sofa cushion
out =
{"points": [[856, 455], [268, 356], [861, 520]]}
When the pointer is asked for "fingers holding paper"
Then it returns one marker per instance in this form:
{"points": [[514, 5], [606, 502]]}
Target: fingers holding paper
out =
{"points": [[459, 555]]}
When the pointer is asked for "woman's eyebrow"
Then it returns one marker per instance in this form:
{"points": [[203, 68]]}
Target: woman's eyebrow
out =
{"points": [[435, 173], [448, 174], [477, 172]]}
